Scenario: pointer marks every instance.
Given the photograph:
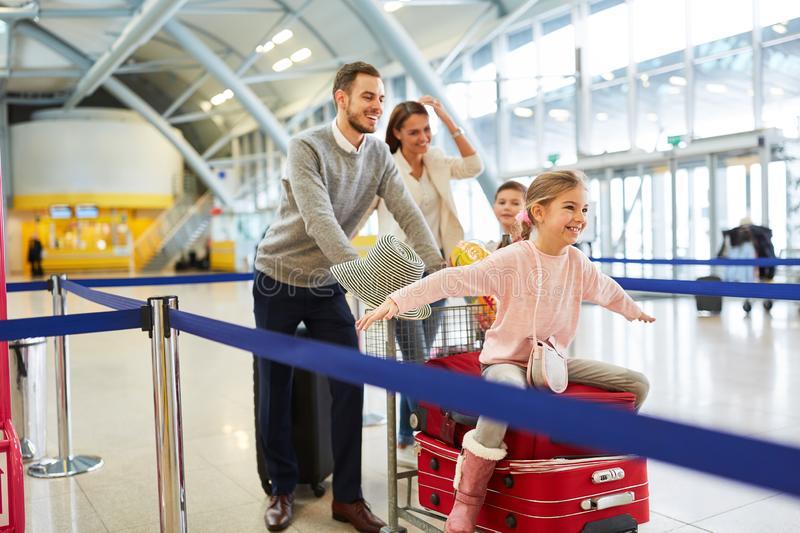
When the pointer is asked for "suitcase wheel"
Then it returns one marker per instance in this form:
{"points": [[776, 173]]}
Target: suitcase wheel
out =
{"points": [[508, 481], [511, 521], [434, 464], [434, 499], [318, 489]]}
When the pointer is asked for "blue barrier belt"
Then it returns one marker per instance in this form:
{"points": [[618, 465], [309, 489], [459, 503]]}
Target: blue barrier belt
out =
{"points": [[769, 291], [109, 300], [564, 419], [24, 286], [56, 326], [763, 261], [140, 281]]}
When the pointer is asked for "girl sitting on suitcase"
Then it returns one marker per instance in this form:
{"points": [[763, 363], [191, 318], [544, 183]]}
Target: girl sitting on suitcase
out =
{"points": [[539, 286]]}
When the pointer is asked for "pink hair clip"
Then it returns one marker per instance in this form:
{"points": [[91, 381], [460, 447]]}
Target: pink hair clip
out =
{"points": [[522, 216]]}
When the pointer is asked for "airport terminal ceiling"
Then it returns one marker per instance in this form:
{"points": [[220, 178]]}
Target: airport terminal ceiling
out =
{"points": [[160, 71]]}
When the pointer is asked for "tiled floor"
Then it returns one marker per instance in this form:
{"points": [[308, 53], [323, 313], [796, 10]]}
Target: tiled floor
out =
{"points": [[729, 372]]}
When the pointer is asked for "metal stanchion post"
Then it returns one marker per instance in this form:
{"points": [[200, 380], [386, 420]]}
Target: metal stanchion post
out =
{"points": [[391, 439], [65, 464], [169, 427]]}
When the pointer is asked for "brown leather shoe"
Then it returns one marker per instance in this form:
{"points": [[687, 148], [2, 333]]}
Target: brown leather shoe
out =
{"points": [[279, 512], [358, 515]]}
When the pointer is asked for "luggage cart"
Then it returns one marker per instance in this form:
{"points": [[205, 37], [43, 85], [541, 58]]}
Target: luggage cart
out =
{"points": [[459, 329]]}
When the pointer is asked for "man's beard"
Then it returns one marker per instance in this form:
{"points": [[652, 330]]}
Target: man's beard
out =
{"points": [[352, 120]]}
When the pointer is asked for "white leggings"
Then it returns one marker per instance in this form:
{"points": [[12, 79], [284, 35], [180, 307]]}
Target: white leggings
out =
{"points": [[490, 433]]}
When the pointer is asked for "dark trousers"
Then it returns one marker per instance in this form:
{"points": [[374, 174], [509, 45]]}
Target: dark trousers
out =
{"points": [[281, 307]]}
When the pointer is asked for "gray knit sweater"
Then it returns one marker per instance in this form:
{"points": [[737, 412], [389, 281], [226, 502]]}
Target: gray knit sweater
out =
{"points": [[326, 193]]}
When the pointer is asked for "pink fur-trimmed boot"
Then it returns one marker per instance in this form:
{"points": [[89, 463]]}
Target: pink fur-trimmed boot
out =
{"points": [[474, 468]]}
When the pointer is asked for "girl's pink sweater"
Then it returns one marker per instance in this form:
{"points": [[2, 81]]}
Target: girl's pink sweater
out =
{"points": [[531, 302]]}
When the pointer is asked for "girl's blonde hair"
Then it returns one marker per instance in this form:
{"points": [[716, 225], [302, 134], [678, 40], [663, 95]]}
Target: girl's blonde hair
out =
{"points": [[545, 188]]}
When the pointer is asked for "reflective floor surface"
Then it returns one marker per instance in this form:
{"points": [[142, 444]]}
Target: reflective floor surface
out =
{"points": [[728, 372]]}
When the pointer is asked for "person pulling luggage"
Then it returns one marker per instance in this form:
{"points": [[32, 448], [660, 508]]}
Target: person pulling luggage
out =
{"points": [[539, 286]]}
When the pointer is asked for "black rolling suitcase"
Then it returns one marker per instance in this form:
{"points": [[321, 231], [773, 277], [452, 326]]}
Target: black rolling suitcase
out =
{"points": [[709, 304], [311, 429]]}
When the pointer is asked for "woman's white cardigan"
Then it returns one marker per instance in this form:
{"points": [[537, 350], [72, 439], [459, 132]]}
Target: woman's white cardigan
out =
{"points": [[441, 169]]}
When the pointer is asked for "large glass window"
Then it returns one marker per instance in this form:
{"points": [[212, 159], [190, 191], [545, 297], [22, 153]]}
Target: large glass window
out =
{"points": [[610, 119], [782, 87], [519, 91], [778, 18], [559, 125], [724, 95], [557, 52], [720, 25], [659, 29], [661, 109], [607, 33]]}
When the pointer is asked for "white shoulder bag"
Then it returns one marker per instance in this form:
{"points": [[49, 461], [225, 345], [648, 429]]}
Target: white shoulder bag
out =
{"points": [[547, 368]]}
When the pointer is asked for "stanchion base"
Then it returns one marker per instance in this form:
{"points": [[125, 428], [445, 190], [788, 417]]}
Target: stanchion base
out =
{"points": [[28, 449], [390, 529], [373, 419], [73, 465]]}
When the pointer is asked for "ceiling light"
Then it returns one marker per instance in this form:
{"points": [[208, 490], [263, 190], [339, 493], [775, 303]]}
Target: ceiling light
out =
{"points": [[608, 76], [266, 47], [282, 36], [652, 117], [218, 99], [644, 77], [779, 28], [776, 91], [523, 112], [559, 115], [680, 81], [391, 7], [716, 88], [205, 106], [282, 64], [601, 117], [228, 94], [300, 55]]}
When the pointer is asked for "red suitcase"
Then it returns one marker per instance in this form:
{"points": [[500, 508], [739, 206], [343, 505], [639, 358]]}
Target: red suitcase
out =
{"points": [[604, 494], [450, 426]]}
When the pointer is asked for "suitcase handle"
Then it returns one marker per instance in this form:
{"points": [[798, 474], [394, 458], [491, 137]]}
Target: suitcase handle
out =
{"points": [[606, 502]]}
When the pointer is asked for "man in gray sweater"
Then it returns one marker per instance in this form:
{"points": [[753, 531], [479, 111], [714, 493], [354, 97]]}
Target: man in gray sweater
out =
{"points": [[333, 174]]}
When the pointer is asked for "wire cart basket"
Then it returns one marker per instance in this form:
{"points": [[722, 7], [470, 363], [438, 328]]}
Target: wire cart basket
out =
{"points": [[448, 331]]}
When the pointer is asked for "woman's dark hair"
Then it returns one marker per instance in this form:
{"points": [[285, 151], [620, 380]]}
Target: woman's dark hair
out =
{"points": [[399, 115], [511, 185]]}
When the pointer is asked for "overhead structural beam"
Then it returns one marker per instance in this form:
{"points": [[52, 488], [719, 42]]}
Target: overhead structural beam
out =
{"points": [[249, 61], [132, 100], [220, 70], [394, 38], [25, 11], [145, 23]]}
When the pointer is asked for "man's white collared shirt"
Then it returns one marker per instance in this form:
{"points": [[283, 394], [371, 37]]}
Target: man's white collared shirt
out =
{"points": [[342, 141]]}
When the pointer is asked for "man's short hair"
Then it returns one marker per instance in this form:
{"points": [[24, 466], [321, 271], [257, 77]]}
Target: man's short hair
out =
{"points": [[347, 75]]}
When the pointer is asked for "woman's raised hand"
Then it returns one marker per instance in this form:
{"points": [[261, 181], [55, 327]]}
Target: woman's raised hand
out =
{"points": [[385, 311], [435, 104]]}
